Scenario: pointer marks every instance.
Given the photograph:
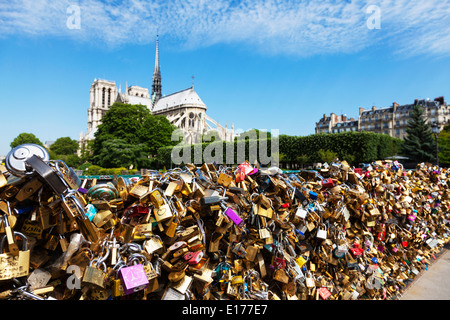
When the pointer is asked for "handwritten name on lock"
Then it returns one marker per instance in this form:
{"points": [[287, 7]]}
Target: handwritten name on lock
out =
{"points": [[14, 266]]}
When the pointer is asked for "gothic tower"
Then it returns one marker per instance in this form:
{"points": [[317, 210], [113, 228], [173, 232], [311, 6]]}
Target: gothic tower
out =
{"points": [[103, 93], [156, 86]]}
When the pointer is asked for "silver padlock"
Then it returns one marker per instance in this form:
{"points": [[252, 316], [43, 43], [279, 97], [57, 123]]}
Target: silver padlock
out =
{"points": [[15, 159], [322, 232]]}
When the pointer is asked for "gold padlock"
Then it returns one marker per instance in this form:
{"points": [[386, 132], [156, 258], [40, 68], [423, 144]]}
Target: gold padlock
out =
{"points": [[102, 217], [11, 265], [95, 276]]}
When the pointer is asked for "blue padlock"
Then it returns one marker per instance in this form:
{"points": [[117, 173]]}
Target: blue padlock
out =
{"points": [[313, 195]]}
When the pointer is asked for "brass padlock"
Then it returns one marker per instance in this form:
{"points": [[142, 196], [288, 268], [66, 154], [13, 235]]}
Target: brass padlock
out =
{"points": [[95, 276], [102, 217], [14, 265], [163, 212], [28, 189]]}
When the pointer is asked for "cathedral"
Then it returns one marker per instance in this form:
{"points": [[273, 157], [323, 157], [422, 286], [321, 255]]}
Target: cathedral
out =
{"points": [[184, 108]]}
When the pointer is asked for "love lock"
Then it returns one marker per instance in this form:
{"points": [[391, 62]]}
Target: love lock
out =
{"points": [[133, 277], [14, 265], [322, 232]]}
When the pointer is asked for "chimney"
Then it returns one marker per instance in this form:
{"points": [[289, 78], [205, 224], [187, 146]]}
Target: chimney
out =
{"points": [[374, 108], [416, 101], [361, 110], [440, 100], [395, 105]]}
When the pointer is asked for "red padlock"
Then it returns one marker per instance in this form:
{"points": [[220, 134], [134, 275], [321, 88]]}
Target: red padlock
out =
{"points": [[193, 257], [327, 183], [324, 293], [356, 250]]}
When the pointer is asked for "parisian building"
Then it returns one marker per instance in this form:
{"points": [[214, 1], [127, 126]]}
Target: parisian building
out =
{"points": [[391, 120]]}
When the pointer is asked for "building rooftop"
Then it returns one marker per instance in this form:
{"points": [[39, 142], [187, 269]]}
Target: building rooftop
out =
{"points": [[178, 99]]}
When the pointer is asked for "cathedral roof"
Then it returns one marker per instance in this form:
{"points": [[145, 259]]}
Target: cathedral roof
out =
{"points": [[184, 98], [130, 99]]}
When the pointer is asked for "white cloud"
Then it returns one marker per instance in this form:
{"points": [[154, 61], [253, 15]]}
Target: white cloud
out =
{"points": [[301, 28]]}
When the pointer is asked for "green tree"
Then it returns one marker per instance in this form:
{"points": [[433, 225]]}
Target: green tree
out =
{"points": [[156, 133], [118, 153], [25, 137], [419, 143], [250, 134], [327, 155], [444, 146], [137, 133], [64, 146]]}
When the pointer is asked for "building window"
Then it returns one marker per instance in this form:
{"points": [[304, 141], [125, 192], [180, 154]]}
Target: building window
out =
{"points": [[397, 132], [103, 97]]}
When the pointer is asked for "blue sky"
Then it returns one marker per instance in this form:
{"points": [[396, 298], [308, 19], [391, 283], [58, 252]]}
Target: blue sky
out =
{"points": [[266, 64]]}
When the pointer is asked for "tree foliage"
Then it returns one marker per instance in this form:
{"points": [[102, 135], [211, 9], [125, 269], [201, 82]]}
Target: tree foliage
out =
{"points": [[118, 153], [419, 145], [64, 146], [25, 137], [130, 135], [254, 134], [444, 146]]}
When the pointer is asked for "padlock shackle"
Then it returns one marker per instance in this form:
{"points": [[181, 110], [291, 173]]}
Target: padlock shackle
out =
{"points": [[16, 233]]}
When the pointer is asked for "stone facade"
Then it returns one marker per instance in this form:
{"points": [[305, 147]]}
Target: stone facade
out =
{"points": [[391, 120]]}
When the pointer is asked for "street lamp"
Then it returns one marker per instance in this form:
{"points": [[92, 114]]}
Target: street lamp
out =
{"points": [[435, 129]]}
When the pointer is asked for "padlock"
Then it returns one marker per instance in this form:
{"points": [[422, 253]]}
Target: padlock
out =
{"points": [[322, 232], [15, 160], [154, 245], [281, 276], [310, 280], [327, 183], [157, 199], [133, 277], [152, 277], [234, 217], [163, 212], [102, 217], [117, 287], [356, 250], [14, 265], [300, 260], [301, 213], [94, 275], [193, 258], [324, 293]]}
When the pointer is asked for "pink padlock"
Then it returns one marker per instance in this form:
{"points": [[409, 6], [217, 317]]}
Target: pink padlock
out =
{"points": [[133, 278], [412, 217], [234, 217], [193, 258]]}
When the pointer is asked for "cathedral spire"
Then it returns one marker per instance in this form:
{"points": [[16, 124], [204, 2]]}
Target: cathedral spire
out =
{"points": [[156, 86]]}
